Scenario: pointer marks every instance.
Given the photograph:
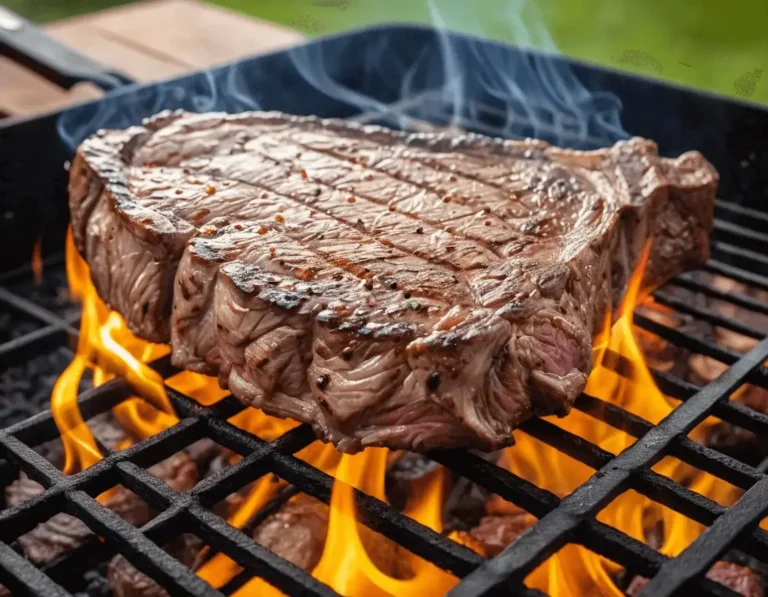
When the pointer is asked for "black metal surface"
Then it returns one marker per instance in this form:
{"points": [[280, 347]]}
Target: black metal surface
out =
{"points": [[571, 519], [733, 136]]}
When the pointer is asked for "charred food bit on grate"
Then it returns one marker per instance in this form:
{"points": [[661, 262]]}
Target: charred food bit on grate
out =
{"points": [[63, 532], [296, 532], [455, 297], [740, 579], [127, 581]]}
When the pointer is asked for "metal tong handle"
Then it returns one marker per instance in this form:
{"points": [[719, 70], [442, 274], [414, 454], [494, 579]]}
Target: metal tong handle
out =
{"points": [[29, 45]]}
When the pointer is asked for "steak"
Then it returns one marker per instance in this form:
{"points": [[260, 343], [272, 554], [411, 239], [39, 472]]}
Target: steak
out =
{"points": [[406, 290]]}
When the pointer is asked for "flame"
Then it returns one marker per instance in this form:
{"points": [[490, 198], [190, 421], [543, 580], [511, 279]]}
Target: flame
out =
{"points": [[108, 349], [346, 565], [574, 570], [37, 260]]}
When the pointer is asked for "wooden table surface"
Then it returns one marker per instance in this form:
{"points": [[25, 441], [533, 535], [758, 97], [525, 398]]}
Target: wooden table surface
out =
{"points": [[148, 41]]}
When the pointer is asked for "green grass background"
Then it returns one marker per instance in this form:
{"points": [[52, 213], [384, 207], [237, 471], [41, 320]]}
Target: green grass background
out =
{"points": [[720, 45]]}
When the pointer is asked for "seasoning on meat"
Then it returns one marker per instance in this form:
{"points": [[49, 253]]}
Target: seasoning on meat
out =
{"points": [[509, 281]]}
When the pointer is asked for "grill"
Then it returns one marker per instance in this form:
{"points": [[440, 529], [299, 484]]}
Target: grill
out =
{"points": [[739, 250]]}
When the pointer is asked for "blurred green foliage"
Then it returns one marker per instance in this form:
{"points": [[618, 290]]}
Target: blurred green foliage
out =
{"points": [[718, 45]]}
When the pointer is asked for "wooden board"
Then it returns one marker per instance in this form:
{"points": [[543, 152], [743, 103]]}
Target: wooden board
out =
{"points": [[136, 39]]}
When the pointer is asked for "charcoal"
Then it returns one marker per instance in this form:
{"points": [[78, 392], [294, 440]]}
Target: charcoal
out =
{"points": [[15, 325], [405, 468], [496, 531], [25, 389], [296, 532], [464, 506], [203, 453], [63, 532], [737, 578], [95, 583], [51, 292]]}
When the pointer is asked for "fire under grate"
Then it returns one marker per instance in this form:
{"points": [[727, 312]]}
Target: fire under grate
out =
{"points": [[571, 519]]}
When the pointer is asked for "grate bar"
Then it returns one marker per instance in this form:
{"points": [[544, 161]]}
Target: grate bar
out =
{"points": [[738, 274], [41, 428], [383, 518], [255, 557], [730, 411], [555, 529], [596, 536], [740, 255], [732, 230], [32, 463], [676, 575], [20, 576], [761, 218], [140, 551], [28, 307], [29, 345], [758, 376], [735, 298], [708, 315], [707, 459], [647, 482]]}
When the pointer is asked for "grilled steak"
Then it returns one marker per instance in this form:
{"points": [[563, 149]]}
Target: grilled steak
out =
{"points": [[412, 291]]}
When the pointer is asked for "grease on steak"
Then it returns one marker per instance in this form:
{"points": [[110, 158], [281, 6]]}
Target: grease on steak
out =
{"points": [[411, 291]]}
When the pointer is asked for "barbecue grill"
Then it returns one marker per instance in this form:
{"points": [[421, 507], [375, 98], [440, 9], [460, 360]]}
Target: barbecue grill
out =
{"points": [[33, 189]]}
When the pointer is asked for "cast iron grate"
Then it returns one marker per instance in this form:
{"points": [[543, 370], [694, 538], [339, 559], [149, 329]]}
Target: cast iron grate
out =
{"points": [[561, 521]]}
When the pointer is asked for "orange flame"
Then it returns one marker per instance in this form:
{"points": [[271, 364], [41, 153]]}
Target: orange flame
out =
{"points": [[574, 570], [345, 565], [37, 260], [108, 349]]}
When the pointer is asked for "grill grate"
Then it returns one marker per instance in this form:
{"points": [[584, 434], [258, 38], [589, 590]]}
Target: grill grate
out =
{"points": [[561, 521]]}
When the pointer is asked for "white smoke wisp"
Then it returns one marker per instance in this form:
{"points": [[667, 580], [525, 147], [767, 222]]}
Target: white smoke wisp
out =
{"points": [[409, 78]]}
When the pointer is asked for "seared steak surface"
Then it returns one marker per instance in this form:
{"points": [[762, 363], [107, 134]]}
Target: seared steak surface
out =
{"points": [[412, 291]]}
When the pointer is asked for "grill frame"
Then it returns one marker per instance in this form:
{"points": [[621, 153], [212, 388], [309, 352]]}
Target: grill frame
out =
{"points": [[560, 523]]}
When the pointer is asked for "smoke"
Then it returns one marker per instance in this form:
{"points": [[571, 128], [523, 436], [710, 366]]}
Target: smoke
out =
{"points": [[400, 76]]}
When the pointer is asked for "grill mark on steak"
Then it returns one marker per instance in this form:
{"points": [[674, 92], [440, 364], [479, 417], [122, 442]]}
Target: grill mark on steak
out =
{"points": [[542, 183], [474, 297], [362, 210], [484, 196], [414, 348], [414, 203], [266, 207]]}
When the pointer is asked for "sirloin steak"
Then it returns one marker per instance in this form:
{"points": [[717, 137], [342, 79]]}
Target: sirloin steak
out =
{"points": [[406, 290]]}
